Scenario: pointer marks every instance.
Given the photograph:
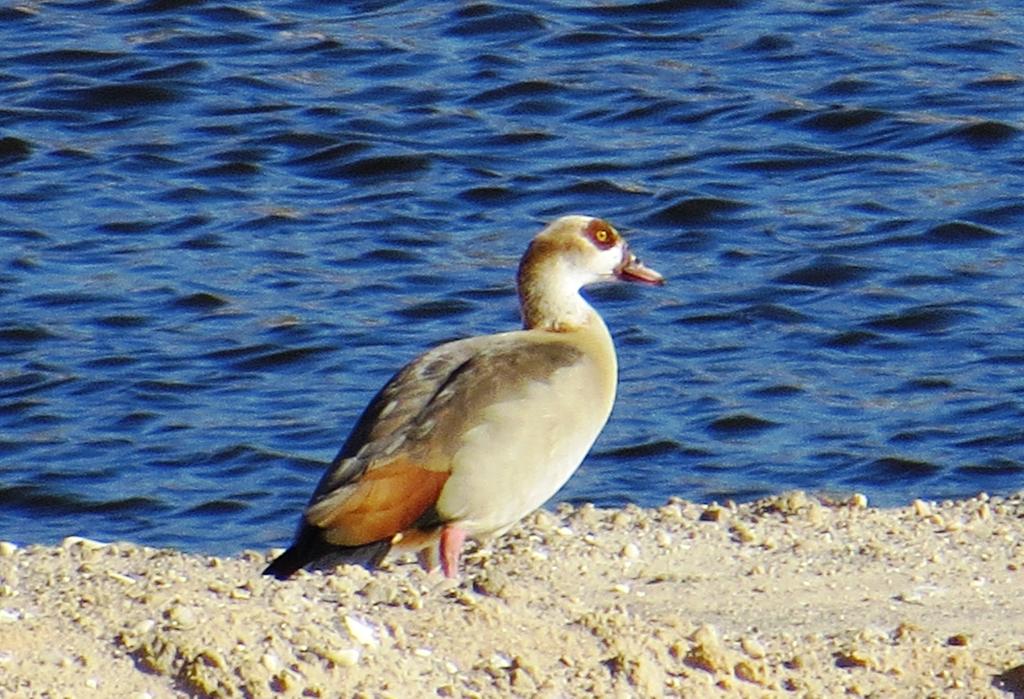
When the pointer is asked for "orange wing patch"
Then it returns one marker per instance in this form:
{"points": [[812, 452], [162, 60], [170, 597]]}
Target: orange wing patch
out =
{"points": [[388, 499]]}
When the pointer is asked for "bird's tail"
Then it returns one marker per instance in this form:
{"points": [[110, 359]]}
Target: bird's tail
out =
{"points": [[310, 550]]}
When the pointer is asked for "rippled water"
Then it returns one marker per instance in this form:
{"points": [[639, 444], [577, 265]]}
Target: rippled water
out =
{"points": [[223, 227]]}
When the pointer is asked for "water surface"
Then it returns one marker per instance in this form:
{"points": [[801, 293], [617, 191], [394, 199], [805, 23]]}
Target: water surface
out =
{"points": [[224, 226]]}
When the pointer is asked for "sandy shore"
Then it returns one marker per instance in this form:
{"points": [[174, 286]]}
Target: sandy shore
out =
{"points": [[790, 596]]}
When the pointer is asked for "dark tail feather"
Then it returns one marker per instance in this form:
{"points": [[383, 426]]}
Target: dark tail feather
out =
{"points": [[309, 548]]}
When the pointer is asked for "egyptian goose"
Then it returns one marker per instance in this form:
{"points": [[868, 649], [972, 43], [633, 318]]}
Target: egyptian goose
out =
{"points": [[475, 434]]}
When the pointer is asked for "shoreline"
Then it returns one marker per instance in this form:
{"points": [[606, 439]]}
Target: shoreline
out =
{"points": [[790, 595]]}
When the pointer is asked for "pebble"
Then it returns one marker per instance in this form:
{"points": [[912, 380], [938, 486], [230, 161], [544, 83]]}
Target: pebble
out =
{"points": [[346, 657], [121, 577], [7, 549], [743, 533], [959, 639], [271, 662], [712, 513], [182, 617], [87, 544], [500, 661], [630, 550], [361, 631], [671, 512], [542, 519], [707, 652], [752, 647], [922, 509], [144, 627]]}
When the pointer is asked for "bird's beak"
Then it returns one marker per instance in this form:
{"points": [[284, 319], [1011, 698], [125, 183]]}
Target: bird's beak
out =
{"points": [[633, 270]]}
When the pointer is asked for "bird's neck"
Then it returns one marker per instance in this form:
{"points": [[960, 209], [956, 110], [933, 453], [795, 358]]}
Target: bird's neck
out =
{"points": [[550, 299]]}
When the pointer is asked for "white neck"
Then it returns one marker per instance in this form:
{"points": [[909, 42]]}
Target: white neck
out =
{"points": [[550, 298]]}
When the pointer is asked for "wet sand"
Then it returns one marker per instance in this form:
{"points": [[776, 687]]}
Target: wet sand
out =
{"points": [[788, 596]]}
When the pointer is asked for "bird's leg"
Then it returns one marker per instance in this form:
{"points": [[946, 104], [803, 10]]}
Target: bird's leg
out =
{"points": [[452, 539]]}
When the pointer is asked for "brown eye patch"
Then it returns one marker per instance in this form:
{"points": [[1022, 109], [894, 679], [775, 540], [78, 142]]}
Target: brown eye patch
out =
{"points": [[602, 234]]}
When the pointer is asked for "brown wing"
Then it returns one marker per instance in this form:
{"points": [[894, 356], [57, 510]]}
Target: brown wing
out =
{"points": [[391, 470]]}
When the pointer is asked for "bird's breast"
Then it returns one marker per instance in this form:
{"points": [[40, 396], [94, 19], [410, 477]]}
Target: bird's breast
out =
{"points": [[520, 450]]}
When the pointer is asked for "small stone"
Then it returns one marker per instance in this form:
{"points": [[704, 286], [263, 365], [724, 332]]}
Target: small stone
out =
{"points": [[959, 639], [346, 657], [921, 508], [361, 631], [663, 538], [671, 512], [182, 617], [7, 549], [752, 647], [743, 533], [712, 513], [792, 502], [543, 519], [707, 653], [852, 658], [859, 501], [750, 672], [631, 550], [143, 627], [500, 661], [121, 577], [271, 662], [70, 542]]}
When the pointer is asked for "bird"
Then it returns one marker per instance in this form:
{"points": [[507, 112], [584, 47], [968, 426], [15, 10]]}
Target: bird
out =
{"points": [[473, 435]]}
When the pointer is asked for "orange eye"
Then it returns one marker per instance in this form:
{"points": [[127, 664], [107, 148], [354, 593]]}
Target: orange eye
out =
{"points": [[602, 235]]}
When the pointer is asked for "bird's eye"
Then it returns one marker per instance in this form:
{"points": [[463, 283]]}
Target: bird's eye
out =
{"points": [[602, 235]]}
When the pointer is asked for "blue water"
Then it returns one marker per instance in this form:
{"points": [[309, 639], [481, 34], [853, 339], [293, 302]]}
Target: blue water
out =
{"points": [[224, 225]]}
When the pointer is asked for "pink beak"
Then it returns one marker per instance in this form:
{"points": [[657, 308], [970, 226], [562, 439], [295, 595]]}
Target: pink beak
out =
{"points": [[633, 270]]}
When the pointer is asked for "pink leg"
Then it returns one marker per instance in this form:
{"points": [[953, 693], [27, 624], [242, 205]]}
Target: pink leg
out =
{"points": [[452, 539]]}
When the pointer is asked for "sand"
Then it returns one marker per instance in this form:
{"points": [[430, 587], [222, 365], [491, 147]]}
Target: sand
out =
{"points": [[789, 596]]}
